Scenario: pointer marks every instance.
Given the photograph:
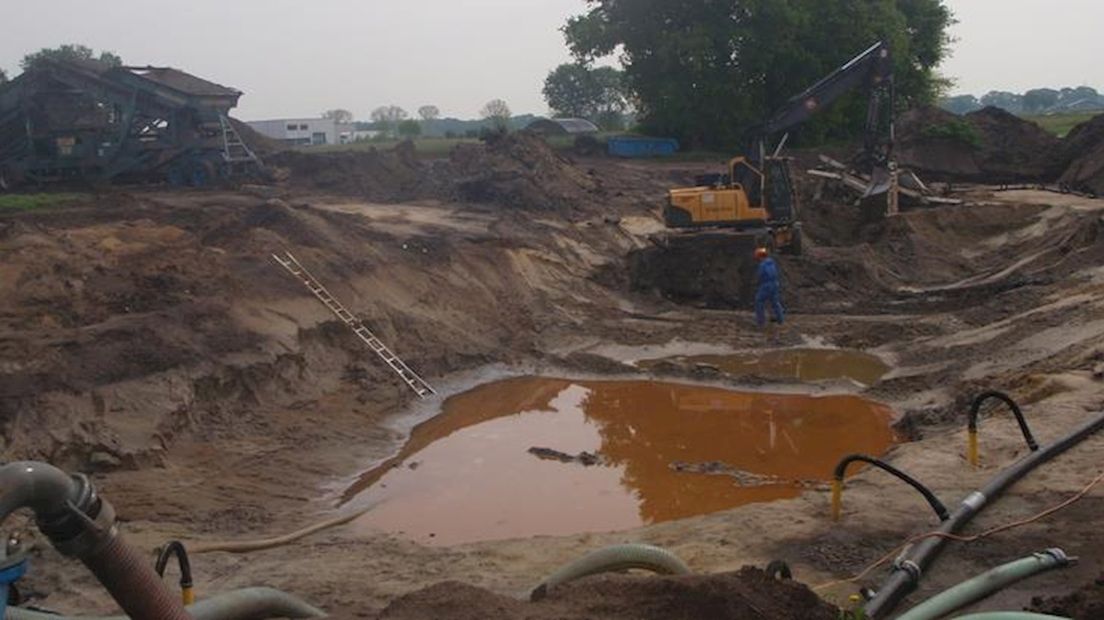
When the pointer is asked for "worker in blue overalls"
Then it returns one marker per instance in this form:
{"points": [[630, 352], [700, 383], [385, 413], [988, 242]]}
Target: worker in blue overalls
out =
{"points": [[769, 289]]}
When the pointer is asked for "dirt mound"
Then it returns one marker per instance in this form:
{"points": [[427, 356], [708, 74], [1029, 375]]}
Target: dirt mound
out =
{"points": [[1082, 157], [1084, 604], [380, 176], [262, 145], [1012, 148], [989, 145], [746, 595], [520, 170]]}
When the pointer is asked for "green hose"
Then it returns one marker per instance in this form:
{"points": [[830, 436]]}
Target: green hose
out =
{"points": [[985, 584], [1010, 616], [245, 604], [611, 559]]}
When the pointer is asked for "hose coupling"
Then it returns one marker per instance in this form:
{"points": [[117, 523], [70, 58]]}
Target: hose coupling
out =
{"points": [[912, 568], [1059, 555], [84, 526]]}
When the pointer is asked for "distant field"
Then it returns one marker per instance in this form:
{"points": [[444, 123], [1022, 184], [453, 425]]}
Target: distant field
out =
{"points": [[1061, 124], [30, 202]]}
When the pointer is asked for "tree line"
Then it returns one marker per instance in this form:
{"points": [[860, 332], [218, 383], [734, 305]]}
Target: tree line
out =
{"points": [[1035, 101], [393, 120]]}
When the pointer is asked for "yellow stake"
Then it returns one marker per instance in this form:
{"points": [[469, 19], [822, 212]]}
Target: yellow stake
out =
{"points": [[972, 448], [187, 595], [837, 499]]}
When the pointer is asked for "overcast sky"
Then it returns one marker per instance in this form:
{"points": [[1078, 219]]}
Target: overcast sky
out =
{"points": [[298, 58]]}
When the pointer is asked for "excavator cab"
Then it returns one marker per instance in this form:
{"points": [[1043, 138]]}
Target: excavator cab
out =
{"points": [[749, 198]]}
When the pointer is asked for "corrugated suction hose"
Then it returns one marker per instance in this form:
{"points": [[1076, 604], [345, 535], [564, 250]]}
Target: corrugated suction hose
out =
{"points": [[246, 604]]}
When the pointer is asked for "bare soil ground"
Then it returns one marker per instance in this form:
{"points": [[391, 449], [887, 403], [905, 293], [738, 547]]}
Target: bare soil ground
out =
{"points": [[149, 338]]}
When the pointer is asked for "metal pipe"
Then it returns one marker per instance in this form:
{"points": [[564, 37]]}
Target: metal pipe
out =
{"points": [[81, 524], [972, 426], [909, 568], [841, 470], [977, 588], [245, 604]]}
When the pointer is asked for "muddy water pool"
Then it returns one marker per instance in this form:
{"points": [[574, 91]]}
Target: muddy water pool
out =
{"points": [[607, 455]]}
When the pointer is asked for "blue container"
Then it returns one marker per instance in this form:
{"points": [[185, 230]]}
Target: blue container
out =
{"points": [[10, 572], [627, 146]]}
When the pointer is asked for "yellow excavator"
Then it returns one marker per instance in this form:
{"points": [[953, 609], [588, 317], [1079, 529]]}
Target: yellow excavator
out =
{"points": [[757, 196]]}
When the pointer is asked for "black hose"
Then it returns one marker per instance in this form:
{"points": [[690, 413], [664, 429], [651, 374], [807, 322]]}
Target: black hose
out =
{"points": [[933, 501], [176, 548], [1001, 396], [909, 568]]}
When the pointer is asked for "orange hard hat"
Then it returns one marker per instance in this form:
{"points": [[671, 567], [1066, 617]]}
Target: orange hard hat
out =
{"points": [[761, 252]]}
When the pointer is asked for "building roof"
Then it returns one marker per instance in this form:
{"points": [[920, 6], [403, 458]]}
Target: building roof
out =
{"points": [[562, 126], [183, 82]]}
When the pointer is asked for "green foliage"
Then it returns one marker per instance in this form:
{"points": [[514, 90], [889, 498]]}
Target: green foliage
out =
{"points": [[704, 71], [576, 90], [410, 128], [1061, 124], [957, 130], [70, 51], [31, 202]]}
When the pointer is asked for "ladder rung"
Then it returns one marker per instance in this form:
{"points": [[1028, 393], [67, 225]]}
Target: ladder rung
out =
{"points": [[413, 381]]}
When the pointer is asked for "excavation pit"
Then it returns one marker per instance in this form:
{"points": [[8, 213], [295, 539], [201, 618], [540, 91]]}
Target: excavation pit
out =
{"points": [[803, 365], [537, 456]]}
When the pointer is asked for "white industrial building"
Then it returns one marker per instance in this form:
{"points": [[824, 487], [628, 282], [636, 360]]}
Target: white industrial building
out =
{"points": [[305, 131]]}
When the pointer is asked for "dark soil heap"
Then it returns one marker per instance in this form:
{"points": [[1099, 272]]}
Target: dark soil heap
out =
{"points": [[381, 176], [1082, 157], [1084, 604], [990, 145], [746, 595], [520, 170]]}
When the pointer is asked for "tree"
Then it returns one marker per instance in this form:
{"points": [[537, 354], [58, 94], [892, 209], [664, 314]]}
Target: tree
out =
{"points": [[388, 117], [1039, 99], [576, 90], [498, 113], [705, 71], [3, 76], [1004, 100], [961, 104], [69, 51], [429, 112], [570, 90], [410, 129], [339, 115]]}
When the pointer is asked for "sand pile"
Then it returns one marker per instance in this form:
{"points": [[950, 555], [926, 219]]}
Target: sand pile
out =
{"points": [[519, 170], [989, 145]]}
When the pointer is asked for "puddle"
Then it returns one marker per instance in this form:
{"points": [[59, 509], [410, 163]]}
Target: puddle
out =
{"points": [[797, 364], [467, 474]]}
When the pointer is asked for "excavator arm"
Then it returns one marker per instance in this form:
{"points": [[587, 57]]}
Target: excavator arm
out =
{"points": [[872, 69]]}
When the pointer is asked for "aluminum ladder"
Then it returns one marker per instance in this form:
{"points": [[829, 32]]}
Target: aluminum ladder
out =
{"points": [[411, 378]]}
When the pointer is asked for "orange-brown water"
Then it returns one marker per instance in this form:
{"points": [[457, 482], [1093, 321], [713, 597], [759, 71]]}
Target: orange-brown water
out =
{"points": [[799, 364], [466, 475]]}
